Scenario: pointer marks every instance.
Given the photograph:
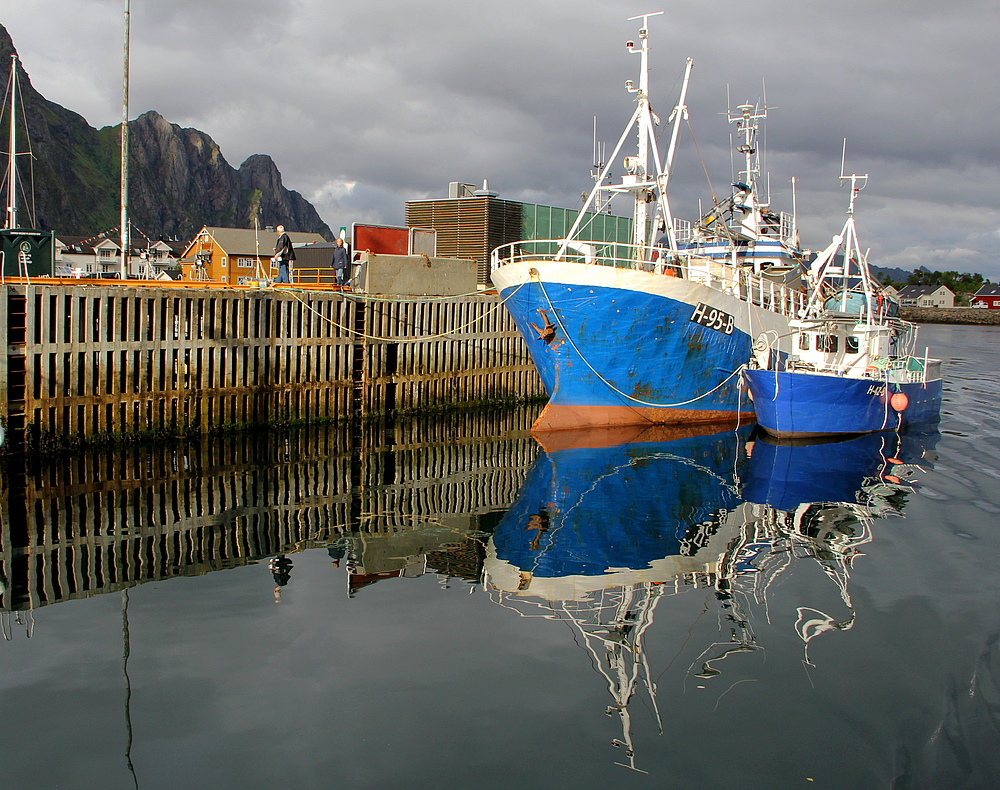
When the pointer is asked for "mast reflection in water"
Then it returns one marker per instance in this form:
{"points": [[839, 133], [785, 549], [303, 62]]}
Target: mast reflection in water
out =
{"points": [[608, 523]]}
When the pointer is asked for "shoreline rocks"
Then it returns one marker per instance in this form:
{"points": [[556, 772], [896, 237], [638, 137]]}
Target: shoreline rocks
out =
{"points": [[951, 315]]}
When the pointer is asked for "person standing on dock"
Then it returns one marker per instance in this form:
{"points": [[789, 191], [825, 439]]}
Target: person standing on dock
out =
{"points": [[340, 262], [283, 256]]}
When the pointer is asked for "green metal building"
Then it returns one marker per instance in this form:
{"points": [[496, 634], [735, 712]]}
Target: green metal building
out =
{"points": [[474, 226]]}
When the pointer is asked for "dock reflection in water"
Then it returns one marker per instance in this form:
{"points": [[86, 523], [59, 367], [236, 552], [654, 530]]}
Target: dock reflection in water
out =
{"points": [[389, 501], [609, 523]]}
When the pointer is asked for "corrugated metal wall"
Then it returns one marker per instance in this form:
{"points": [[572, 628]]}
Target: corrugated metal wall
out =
{"points": [[468, 227]]}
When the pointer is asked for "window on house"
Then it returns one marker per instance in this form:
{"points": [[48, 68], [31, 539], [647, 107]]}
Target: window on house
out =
{"points": [[244, 263], [106, 253]]}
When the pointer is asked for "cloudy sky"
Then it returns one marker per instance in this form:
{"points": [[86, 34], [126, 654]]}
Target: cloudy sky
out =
{"points": [[365, 105]]}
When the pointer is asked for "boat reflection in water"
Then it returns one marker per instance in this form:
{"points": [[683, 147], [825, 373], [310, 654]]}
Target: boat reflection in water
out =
{"points": [[817, 499], [609, 522]]}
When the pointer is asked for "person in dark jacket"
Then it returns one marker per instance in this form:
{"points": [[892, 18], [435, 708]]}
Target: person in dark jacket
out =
{"points": [[283, 256], [341, 262]]}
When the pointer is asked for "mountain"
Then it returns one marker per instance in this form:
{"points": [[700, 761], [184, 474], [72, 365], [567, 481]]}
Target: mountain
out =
{"points": [[888, 275], [178, 178]]}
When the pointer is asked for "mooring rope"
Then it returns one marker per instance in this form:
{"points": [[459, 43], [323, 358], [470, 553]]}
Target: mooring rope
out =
{"points": [[364, 336]]}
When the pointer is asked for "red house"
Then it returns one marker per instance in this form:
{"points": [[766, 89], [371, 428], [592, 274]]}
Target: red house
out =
{"points": [[988, 296]]}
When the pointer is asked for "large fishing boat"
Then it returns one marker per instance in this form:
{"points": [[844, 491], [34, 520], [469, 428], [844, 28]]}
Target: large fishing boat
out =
{"points": [[655, 330], [855, 368]]}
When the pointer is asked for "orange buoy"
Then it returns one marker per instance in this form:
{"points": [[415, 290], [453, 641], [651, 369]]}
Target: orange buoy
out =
{"points": [[899, 401]]}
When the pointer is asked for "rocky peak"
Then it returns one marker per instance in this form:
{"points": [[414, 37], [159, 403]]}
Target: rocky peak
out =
{"points": [[178, 178]]}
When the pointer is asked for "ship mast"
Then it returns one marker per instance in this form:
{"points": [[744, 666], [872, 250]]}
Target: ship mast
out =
{"points": [[124, 156], [824, 268], [747, 127], [640, 180], [12, 157], [680, 113], [852, 247], [638, 168]]}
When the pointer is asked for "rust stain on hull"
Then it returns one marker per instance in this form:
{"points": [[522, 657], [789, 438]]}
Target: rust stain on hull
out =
{"points": [[558, 417]]}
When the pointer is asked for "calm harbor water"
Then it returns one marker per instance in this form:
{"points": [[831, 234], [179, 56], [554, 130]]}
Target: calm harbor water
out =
{"points": [[445, 603]]}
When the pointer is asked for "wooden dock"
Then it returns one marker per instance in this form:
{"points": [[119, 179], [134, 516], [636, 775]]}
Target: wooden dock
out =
{"points": [[101, 361]]}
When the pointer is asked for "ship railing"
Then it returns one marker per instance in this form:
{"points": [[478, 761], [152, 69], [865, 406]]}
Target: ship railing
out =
{"points": [[617, 255], [770, 295], [683, 231], [718, 275], [788, 228], [911, 369]]}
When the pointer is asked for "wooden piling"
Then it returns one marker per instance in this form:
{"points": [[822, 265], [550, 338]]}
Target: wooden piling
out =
{"points": [[89, 361]]}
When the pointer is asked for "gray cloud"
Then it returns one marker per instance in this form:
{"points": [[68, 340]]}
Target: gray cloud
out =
{"points": [[364, 106]]}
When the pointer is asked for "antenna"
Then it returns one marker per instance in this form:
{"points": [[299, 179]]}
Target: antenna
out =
{"points": [[645, 19], [599, 151], [762, 147], [795, 215], [854, 178]]}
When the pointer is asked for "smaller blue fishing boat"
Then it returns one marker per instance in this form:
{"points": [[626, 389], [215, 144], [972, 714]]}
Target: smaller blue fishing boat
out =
{"points": [[854, 366]]}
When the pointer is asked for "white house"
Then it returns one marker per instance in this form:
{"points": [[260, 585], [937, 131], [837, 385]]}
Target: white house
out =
{"points": [[926, 296], [81, 256]]}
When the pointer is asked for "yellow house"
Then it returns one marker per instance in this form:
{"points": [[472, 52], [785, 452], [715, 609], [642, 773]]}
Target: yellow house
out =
{"points": [[235, 255]]}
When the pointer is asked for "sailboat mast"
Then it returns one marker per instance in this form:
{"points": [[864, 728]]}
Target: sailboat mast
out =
{"points": [[124, 156], [12, 162]]}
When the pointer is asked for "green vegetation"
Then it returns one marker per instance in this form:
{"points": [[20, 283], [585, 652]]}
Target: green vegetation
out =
{"points": [[962, 284], [957, 282]]}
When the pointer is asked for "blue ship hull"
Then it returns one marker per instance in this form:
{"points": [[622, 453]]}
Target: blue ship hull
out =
{"points": [[806, 404], [612, 354]]}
